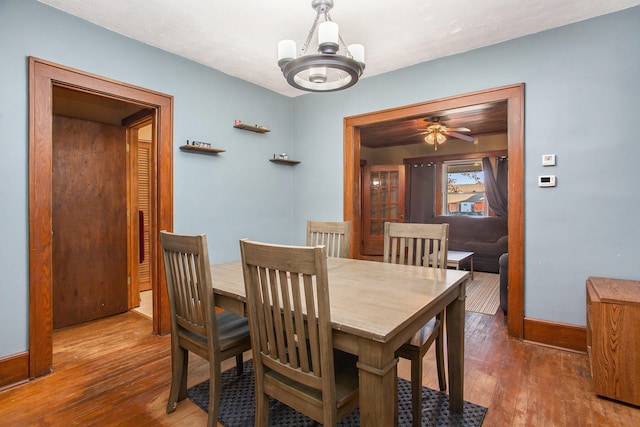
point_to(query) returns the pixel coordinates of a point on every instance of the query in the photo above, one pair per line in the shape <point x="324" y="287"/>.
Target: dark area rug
<point x="237" y="405"/>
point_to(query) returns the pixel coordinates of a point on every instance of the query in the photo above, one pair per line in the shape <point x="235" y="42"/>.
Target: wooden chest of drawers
<point x="613" y="337"/>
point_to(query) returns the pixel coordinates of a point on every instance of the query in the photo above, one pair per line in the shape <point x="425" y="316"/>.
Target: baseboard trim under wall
<point x="554" y="334"/>
<point x="14" y="369"/>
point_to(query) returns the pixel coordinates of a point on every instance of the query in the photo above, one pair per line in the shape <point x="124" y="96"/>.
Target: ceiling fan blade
<point x="413" y="135"/>
<point x="460" y="136"/>
<point x="459" y="129"/>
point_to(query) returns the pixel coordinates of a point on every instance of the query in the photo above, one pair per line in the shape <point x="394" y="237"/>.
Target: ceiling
<point x="481" y="120"/>
<point x="240" y="38"/>
<point x="87" y="106"/>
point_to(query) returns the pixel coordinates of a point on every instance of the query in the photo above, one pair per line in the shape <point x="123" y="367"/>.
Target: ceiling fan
<point x="437" y="132"/>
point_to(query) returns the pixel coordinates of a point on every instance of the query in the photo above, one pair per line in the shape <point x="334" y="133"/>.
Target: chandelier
<point x="325" y="71"/>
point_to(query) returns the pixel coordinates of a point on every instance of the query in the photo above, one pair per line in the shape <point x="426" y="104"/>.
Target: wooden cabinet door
<point x="383" y="195"/>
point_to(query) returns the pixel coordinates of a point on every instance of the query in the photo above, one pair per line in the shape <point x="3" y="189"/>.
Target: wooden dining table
<point x="375" y="308"/>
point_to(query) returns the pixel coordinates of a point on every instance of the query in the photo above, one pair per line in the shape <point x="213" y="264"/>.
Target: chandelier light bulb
<point x="328" y="37"/>
<point x="357" y="52"/>
<point x="318" y="75"/>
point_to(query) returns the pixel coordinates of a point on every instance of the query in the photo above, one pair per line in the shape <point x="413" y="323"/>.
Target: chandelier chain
<point x="342" y="43"/>
<point x="313" y="30"/>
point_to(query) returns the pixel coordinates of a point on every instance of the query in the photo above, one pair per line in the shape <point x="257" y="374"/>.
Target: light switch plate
<point x="548" y="160"/>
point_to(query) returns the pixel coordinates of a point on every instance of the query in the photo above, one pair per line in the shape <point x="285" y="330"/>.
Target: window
<point x="464" y="182"/>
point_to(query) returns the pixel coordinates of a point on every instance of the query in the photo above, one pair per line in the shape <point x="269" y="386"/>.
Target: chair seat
<point x="346" y="373"/>
<point x="346" y="386"/>
<point x="232" y="331"/>
<point x="424" y="336"/>
<point x="231" y="328"/>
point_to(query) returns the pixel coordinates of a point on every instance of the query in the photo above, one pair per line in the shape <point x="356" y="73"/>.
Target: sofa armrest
<point x="504" y="282"/>
<point x="503" y="244"/>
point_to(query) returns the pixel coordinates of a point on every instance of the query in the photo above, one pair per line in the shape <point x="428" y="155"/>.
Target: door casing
<point x="514" y="95"/>
<point x="43" y="75"/>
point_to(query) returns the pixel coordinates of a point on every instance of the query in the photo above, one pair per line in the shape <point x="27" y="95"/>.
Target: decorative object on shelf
<point x="200" y="147"/>
<point x="257" y="128"/>
<point x="326" y="71"/>
<point x="199" y="144"/>
<point x="283" y="159"/>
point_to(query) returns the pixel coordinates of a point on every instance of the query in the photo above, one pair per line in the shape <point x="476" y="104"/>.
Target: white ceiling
<point x="240" y="37"/>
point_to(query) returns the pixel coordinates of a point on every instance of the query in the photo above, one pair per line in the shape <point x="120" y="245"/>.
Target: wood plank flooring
<point x="113" y="372"/>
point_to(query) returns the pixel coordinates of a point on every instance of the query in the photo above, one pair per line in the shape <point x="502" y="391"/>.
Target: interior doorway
<point x="101" y="192"/>
<point x="43" y="78"/>
<point x="513" y="96"/>
<point x="142" y="140"/>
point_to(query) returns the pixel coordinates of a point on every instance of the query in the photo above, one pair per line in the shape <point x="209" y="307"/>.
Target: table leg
<point x="455" y="350"/>
<point x="378" y="386"/>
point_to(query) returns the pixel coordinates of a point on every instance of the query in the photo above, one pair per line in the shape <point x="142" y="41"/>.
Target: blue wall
<point x="582" y="96"/>
<point x="582" y="99"/>
<point x="234" y="195"/>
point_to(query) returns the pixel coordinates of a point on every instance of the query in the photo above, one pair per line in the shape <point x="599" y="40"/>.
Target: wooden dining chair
<point x="195" y="326"/>
<point x="290" y="322"/>
<point x="422" y="245"/>
<point x="336" y="236"/>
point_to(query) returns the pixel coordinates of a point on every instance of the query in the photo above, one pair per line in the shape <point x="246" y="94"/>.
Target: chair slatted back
<point x="336" y="236"/>
<point x="416" y="244"/>
<point x="189" y="285"/>
<point x="289" y="318"/>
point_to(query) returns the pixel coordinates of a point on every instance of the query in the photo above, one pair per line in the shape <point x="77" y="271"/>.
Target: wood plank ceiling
<point x="482" y="119"/>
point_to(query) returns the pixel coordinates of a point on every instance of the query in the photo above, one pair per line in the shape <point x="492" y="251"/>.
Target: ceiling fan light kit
<point x="433" y="137"/>
<point x="327" y="70"/>
<point x="437" y="133"/>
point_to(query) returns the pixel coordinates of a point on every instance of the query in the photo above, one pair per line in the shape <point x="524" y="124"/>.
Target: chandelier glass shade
<point x="327" y="70"/>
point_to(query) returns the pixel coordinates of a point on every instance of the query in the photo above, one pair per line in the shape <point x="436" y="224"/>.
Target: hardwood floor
<point x="114" y="372"/>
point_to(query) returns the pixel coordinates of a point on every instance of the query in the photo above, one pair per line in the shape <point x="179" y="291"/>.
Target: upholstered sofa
<point x="485" y="236"/>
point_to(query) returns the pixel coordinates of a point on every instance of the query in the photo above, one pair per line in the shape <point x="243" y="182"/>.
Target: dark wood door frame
<point x="514" y="95"/>
<point x="43" y="75"/>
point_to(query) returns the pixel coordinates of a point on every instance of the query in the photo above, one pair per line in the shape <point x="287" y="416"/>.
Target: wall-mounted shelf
<point x="258" y="129"/>
<point x="285" y="161"/>
<point x="203" y="150"/>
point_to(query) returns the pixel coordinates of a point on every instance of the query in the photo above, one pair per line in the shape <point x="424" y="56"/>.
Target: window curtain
<point x="496" y="186"/>
<point x="421" y="192"/>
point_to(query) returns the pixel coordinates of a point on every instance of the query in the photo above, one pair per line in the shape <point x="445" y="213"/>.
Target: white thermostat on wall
<point x="548" y="160"/>
<point x="547" y="181"/>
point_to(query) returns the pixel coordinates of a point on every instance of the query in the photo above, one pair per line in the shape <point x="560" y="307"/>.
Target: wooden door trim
<point x="514" y="95"/>
<point x="43" y="75"/>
